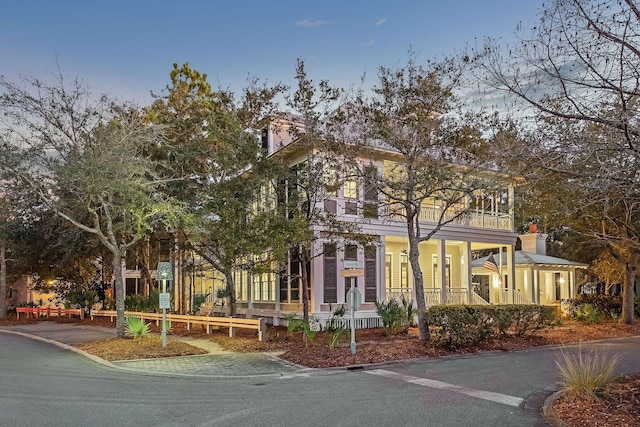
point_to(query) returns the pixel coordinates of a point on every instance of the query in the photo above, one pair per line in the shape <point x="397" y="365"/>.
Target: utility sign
<point x="165" y="300"/>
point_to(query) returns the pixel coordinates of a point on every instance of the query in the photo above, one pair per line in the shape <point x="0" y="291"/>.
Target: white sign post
<point x="163" y="272"/>
<point x="353" y="269"/>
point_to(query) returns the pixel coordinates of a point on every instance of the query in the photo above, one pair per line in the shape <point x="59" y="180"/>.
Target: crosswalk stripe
<point x="503" y="399"/>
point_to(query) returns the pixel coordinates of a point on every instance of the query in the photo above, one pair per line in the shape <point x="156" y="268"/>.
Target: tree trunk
<point x="628" y="293"/>
<point x="302" y="258"/>
<point x="231" y="292"/>
<point x="118" y="289"/>
<point x="3" y="282"/>
<point x="418" y="286"/>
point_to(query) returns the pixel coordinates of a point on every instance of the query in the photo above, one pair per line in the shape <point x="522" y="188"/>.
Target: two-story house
<point x="446" y="259"/>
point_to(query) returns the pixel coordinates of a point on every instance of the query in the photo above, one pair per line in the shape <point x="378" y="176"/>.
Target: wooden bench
<point x="48" y="311"/>
<point x="209" y="322"/>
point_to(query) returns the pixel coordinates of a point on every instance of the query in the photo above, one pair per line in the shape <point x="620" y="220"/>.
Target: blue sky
<point x="127" y="47"/>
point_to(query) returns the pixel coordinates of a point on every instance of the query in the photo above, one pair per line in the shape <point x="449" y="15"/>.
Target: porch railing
<point x="399" y="293"/>
<point x="455" y="296"/>
<point x="518" y="297"/>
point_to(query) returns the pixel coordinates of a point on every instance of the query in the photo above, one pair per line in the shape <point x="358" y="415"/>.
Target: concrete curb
<point x="548" y="412"/>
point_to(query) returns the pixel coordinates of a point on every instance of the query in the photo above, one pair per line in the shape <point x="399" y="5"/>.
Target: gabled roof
<point x="528" y="258"/>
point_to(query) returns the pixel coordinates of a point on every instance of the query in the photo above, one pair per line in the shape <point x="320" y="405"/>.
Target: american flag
<point x="490" y="264"/>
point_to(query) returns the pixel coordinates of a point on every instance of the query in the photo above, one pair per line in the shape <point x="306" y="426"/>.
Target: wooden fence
<point x="209" y="322"/>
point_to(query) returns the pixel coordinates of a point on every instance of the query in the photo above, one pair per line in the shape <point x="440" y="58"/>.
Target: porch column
<point x="532" y="285"/>
<point x="536" y="280"/>
<point x="572" y="283"/>
<point x="442" y="273"/>
<point x="465" y="270"/>
<point x="511" y="272"/>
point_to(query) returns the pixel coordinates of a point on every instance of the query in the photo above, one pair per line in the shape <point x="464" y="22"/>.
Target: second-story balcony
<point x="428" y="214"/>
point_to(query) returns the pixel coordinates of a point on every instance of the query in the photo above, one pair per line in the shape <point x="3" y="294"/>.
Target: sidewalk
<point x="217" y="363"/>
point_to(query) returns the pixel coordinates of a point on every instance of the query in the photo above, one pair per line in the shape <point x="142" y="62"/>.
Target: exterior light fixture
<point x="163" y="271"/>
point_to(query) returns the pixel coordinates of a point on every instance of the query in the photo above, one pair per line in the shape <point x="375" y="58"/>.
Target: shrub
<point x="410" y="311"/>
<point x="602" y="303"/>
<point x="586" y="374"/>
<point x="293" y="323"/>
<point x="459" y="326"/>
<point x="334" y="337"/>
<point x="588" y="314"/>
<point x="309" y="332"/>
<point x="198" y="300"/>
<point x="150" y="304"/>
<point x="527" y="319"/>
<point x="462" y="326"/>
<point x="336" y="321"/>
<point x="391" y="315"/>
<point x="137" y="328"/>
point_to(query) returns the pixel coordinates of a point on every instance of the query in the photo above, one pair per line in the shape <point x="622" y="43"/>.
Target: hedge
<point x="458" y="326"/>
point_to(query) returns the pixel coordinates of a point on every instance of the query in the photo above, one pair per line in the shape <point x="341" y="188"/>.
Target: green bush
<point x="462" y="326"/>
<point x="391" y="315"/>
<point x="335" y="336"/>
<point x="293" y="323"/>
<point x="522" y="319"/>
<point x="336" y="321"/>
<point x="602" y="303"/>
<point x="588" y="314"/>
<point x="150" y="304"/>
<point x="410" y="311"/>
<point x="459" y="326"/>
<point x="198" y="300"/>
<point x="137" y="328"/>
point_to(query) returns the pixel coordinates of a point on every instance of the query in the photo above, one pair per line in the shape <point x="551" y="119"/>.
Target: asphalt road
<point x="41" y="384"/>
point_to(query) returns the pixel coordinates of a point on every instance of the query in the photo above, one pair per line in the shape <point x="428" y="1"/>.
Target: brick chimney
<point x="534" y="242"/>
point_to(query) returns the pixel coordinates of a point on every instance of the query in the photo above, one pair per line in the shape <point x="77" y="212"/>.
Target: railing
<point x="48" y="311"/>
<point x="399" y="293"/>
<point x="518" y="297"/>
<point x="208" y="321"/>
<point x="474" y="218"/>
<point x="455" y="296"/>
<point x="477" y="299"/>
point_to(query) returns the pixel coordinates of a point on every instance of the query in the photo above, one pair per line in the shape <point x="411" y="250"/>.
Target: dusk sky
<point x="127" y="48"/>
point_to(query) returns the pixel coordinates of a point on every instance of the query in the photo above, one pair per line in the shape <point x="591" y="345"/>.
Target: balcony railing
<point x="474" y="218"/>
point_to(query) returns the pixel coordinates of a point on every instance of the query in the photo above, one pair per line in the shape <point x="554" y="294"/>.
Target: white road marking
<point x="503" y="399"/>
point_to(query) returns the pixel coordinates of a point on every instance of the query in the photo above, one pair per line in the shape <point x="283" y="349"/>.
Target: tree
<point x="577" y="71"/>
<point x="212" y="146"/>
<point x="429" y="152"/>
<point x="86" y="159"/>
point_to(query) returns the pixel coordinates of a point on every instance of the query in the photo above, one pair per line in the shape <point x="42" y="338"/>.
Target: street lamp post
<point x="163" y="273"/>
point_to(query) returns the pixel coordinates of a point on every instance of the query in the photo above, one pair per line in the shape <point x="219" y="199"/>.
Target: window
<point x="330" y="283"/>
<point x="330" y="178"/>
<point x="404" y="271"/>
<point x="370" y="273"/>
<point x="350" y="186"/>
<point x="388" y="273"/>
